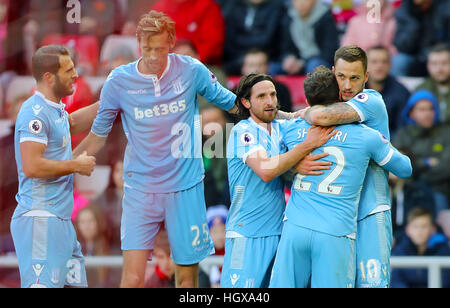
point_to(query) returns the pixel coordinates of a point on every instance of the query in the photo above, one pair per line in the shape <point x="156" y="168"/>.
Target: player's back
<point x="46" y="122"/>
<point x="328" y="203"/>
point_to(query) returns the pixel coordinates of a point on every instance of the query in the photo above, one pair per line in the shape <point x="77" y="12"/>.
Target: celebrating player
<point x="256" y="158"/>
<point x="48" y="252"/>
<point x="317" y="242"/>
<point x="374" y="236"/>
<point x="163" y="169"/>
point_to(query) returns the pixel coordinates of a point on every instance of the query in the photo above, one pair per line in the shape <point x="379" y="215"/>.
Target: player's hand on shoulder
<point x="312" y="165"/>
<point x="85" y="164"/>
<point x="319" y="135"/>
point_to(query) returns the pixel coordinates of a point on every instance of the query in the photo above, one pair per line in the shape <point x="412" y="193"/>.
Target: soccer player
<point x="163" y="169"/>
<point x="374" y="236"/>
<point x="318" y="235"/>
<point x="256" y="158"/>
<point x="48" y="252"/>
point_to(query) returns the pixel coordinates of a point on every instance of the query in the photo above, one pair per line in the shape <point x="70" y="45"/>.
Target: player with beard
<point x="374" y="235"/>
<point x="48" y="252"/>
<point x="256" y="157"/>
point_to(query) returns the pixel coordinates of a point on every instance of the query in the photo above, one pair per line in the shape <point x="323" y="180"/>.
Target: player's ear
<point x="332" y="68"/>
<point x="246" y="103"/>
<point x="48" y="77"/>
<point x="366" y="77"/>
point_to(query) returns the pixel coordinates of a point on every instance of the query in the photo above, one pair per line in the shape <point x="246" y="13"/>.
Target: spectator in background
<point x="98" y="17"/>
<point x="94" y="237"/>
<point x="3" y="26"/>
<point x="438" y="66"/>
<point x="214" y="122"/>
<point x="186" y="47"/>
<point x="257" y="61"/>
<point x="44" y="18"/>
<point x="252" y="24"/>
<point x="420" y="25"/>
<point x="311" y="37"/>
<point x="117" y="57"/>
<point x="367" y="30"/>
<point x="164" y="271"/>
<point x="135" y="9"/>
<point x="199" y="21"/>
<point x="421" y="239"/>
<point x="427" y="142"/>
<point x="111" y="201"/>
<point x="9" y="182"/>
<point x="217" y="217"/>
<point x="395" y="95"/>
<point x="81" y="97"/>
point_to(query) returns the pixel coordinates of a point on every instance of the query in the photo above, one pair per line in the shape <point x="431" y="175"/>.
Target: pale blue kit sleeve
<point x="211" y="89"/>
<point x="388" y="157"/>
<point x="108" y="109"/>
<point x="33" y="127"/>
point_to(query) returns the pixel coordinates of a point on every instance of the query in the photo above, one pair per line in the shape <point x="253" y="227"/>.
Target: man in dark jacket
<point x="427" y="142"/>
<point x="395" y="95"/>
<point x="310" y="38"/>
<point x="420" y="25"/>
<point x="420" y="239"/>
<point x="251" y="24"/>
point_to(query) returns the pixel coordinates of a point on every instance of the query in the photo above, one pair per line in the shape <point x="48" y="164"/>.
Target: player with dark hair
<point x="256" y="158"/>
<point x="48" y="252"/>
<point x="374" y="236"/>
<point x="319" y="231"/>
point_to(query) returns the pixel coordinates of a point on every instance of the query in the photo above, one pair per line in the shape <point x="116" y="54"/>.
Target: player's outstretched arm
<point x="91" y="145"/>
<point x="36" y="166"/>
<point x="268" y="168"/>
<point x="397" y="163"/>
<point x="333" y="114"/>
<point x="81" y="120"/>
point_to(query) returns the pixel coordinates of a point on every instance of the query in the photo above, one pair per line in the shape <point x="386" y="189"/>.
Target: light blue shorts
<point x="306" y="255"/>
<point x="248" y="261"/>
<point x="48" y="252"/>
<point x="184" y="215"/>
<point x="373" y="251"/>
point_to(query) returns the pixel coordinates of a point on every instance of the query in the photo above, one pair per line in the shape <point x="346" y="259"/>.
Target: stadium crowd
<point x="408" y="48"/>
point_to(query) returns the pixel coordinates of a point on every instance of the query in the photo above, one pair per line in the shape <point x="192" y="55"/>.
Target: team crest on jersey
<point x="247" y="138"/>
<point x="178" y="86"/>
<point x="212" y="77"/>
<point x="362" y="97"/>
<point x="35" y="126"/>
<point x="384" y="139"/>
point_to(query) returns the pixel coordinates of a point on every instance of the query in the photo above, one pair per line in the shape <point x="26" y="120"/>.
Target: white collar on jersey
<point x="250" y="119"/>
<point x="152" y="76"/>
<point x="59" y="105"/>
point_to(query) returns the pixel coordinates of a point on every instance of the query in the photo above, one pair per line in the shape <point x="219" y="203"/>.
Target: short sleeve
<point x="379" y="147"/>
<point x="108" y="109"/>
<point x="243" y="141"/>
<point x="211" y="89"/>
<point x="369" y="105"/>
<point x="33" y="126"/>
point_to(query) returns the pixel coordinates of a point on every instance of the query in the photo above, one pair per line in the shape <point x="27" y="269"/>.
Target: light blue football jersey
<point x="44" y="121"/>
<point x="375" y="194"/>
<point x="328" y="203"/>
<point x="161" y="121"/>
<point x="257" y="207"/>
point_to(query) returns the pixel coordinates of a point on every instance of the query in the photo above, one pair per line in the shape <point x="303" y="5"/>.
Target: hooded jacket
<point x="421" y="144"/>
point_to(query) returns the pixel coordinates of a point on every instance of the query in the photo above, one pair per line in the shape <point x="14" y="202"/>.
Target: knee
<point x="130" y="280"/>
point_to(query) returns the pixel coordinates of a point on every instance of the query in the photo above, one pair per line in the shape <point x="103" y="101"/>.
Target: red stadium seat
<point x="294" y="84"/>
<point x="86" y="46"/>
